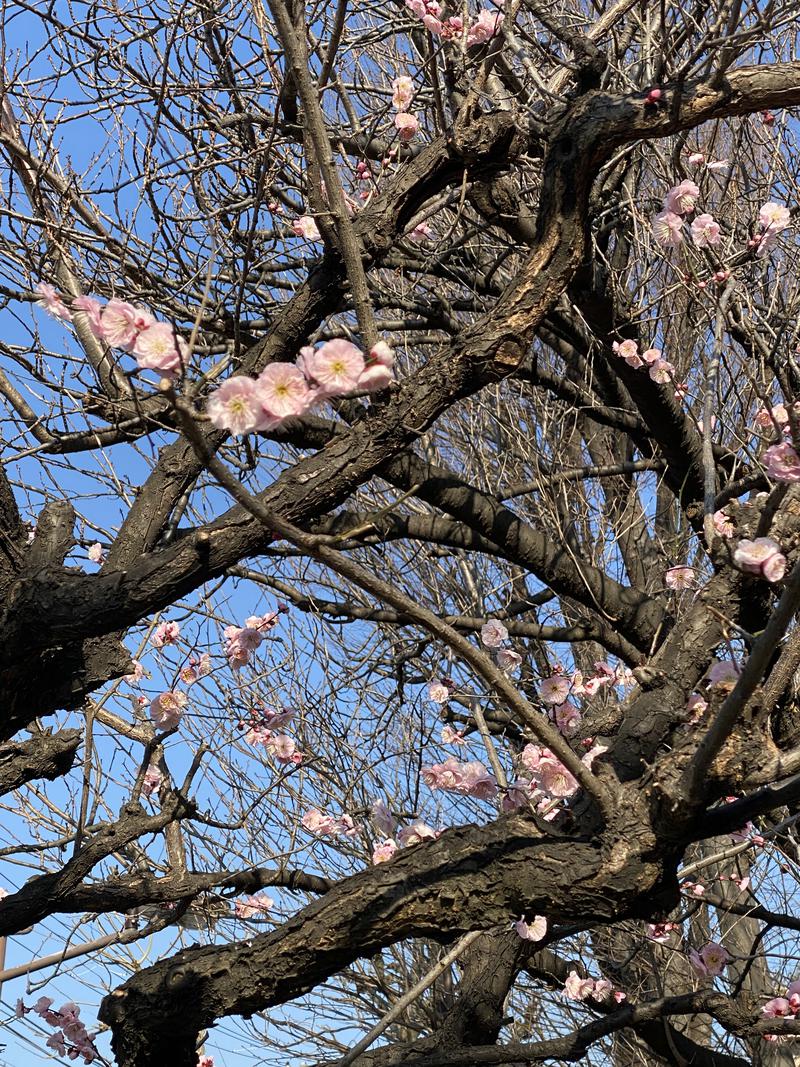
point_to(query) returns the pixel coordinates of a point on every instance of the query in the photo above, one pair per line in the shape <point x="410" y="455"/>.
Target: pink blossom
<point x="777" y="1008"/>
<point x="284" y="749"/>
<point x="122" y="323"/>
<point x="452" y="27"/>
<point x="629" y="351"/>
<point x="507" y="659"/>
<point x="517" y="797"/>
<point x="774" y="217"/>
<point x="52" y="302"/>
<point x="555" y="779"/>
<point x="317" y="822"/>
<point x="166" y="633"/>
<point x="485" y="26"/>
<point x="278" y="719"/>
<point x="92" y="309"/>
<point x="236" y="405"/>
<point x="402" y="92"/>
<point x="723" y="524"/>
<point x="555" y="689"/>
<point x="651" y="356"/>
<point x="679" y="578"/>
<point x="415" y="833"/>
<point x="283" y="391"/>
<point x="262" y="623"/>
<point x="603" y="988"/>
<point x="151" y="783"/>
<point x="56" y="1042"/>
<point x="531" y="757"/>
<point x="782" y="463"/>
<point x="766" y="418"/>
<point x="240" y="643"/>
<point x="493" y="634"/>
<point x="373" y="378"/>
<point x="706" y="231"/>
<point x="424" y="8"/>
<point x="306" y="227"/>
<point x="680" y="199"/>
<point x="710" y="961"/>
<point x="421" y="232"/>
<point x="696" y="158"/>
<point x="468" y="779"/>
<point x="159" y="348"/>
<point x="406" y="125"/>
<point x="761" y="556"/>
<point x="384" y="851"/>
<point x="668" y="229"/>
<point x="252" y="906"/>
<point x="438" y="692"/>
<point x="138" y="673"/>
<point x="577" y="988"/>
<point x="452" y="737"/>
<point x="534" y="930"/>
<point x="661" y="371"/>
<point x="382" y="353"/>
<point x="697" y="889"/>
<point x="166" y="710"/>
<point x="567" y="718"/>
<point x="477" y="782"/>
<point x="95" y="553"/>
<point x="382" y="818"/>
<point x="723" y="674"/>
<point x="336" y="366"/>
<point x="696" y="706"/>
<point x="42" y="1006"/>
<point x="258" y="734"/>
<point x="660" y="932"/>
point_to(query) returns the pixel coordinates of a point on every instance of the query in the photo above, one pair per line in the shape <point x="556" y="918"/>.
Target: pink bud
<point x="653" y="96"/>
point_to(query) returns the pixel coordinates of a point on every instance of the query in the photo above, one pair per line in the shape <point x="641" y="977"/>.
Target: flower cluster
<point x="660" y="370"/>
<point x="468" y="779"/>
<point x="261" y="728"/>
<point x="493" y="636"/>
<point x="402" y="95"/>
<point x="322" y="825"/>
<point x="660" y="932"/>
<point x="283" y="390"/>
<point x="71" y="1037"/>
<point x="548" y="775"/>
<point x="166" y="633"/>
<point x="413" y="834"/>
<point x="252" y="907"/>
<point x="242" y="641"/>
<point x="784" y="1007"/>
<point x="486" y="25"/>
<point x="577" y="988"/>
<point x="155" y="345"/>
<point x="762" y="557"/>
